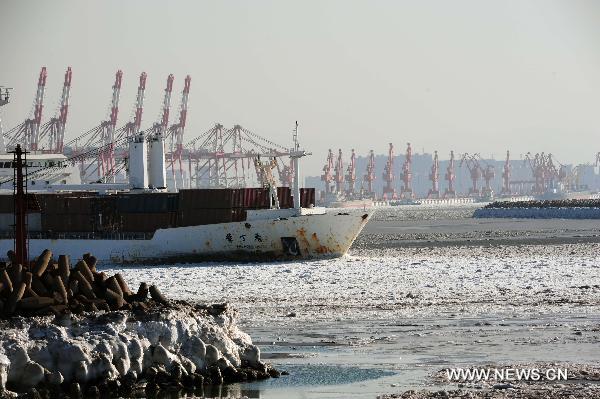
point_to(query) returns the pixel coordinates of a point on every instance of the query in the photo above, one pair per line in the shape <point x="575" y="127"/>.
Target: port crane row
<point x="224" y="157"/>
<point x="220" y="157"/>
<point x="546" y="172"/>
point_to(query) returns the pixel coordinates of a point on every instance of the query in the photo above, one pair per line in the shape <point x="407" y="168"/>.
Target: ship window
<point x="7" y="164"/>
<point x="51" y="163"/>
<point x="33" y="182"/>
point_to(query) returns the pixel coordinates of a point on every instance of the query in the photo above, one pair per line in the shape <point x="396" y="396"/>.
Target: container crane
<point x="388" y="175"/>
<point x="339" y="173"/>
<point x="370" y="176"/>
<point x="327" y="175"/>
<point x="102" y="136"/>
<point x="450" y="176"/>
<point x="176" y="132"/>
<point x="488" y="175"/>
<point x="27" y="133"/>
<point x="351" y="176"/>
<point x="474" y="171"/>
<point x="506" y="190"/>
<point x="133" y="128"/>
<point x="54" y="130"/>
<point x="406" y="176"/>
<point x="434" y="176"/>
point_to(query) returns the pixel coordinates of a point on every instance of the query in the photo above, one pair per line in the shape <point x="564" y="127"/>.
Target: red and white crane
<point x="327" y="175"/>
<point x="488" y="175"/>
<point x="406" y="176"/>
<point x="370" y="176"/>
<point x="133" y="128"/>
<point x="474" y="171"/>
<point x="339" y="173"/>
<point x="54" y="130"/>
<point x="450" y="176"/>
<point x="351" y="176"/>
<point x="506" y="190"/>
<point x="434" y="176"/>
<point x="27" y="133"/>
<point x="176" y="132"/>
<point x="388" y="175"/>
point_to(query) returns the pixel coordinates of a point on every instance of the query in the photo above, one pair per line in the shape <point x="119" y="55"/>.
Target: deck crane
<point x="27" y="133"/>
<point x="388" y="175"/>
<point x="339" y="173"/>
<point x="370" y="176"/>
<point x="327" y="175"/>
<point x="506" y="190"/>
<point x="434" y="176"/>
<point x="450" y="176"/>
<point x="351" y="176"/>
<point x="54" y="130"/>
<point x="474" y="171"/>
<point x="176" y="132"/>
<point x="406" y="175"/>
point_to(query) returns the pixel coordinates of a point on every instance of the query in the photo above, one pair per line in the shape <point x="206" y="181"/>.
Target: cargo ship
<point x="142" y="223"/>
<point x="192" y="225"/>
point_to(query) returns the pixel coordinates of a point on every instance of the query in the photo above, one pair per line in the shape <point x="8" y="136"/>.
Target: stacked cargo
<point x="88" y="212"/>
<point x="211" y="206"/>
<point x="147" y="212"/>
<point x="66" y="213"/>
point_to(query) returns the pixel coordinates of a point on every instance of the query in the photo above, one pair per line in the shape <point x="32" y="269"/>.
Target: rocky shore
<point x="96" y="338"/>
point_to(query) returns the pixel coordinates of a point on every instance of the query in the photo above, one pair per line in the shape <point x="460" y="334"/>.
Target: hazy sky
<point x="469" y="75"/>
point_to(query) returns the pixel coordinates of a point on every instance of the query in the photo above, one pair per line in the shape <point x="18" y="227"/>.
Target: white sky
<point x="469" y="75"/>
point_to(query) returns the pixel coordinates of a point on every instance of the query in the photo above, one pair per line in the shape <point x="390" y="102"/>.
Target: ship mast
<point x="296" y="154"/>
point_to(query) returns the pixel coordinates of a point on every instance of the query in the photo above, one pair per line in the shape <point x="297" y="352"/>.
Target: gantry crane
<point x="54" y="130"/>
<point x="434" y="176"/>
<point x="176" y="133"/>
<point x="370" y="176"/>
<point x="474" y="172"/>
<point x="388" y="175"/>
<point x="351" y="176"/>
<point x="27" y="133"/>
<point x="406" y="176"/>
<point x="506" y="190"/>
<point x="339" y="173"/>
<point x="327" y="175"/>
<point x="450" y="176"/>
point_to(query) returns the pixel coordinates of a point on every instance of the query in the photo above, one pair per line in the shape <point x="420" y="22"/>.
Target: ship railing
<point x="49" y="235"/>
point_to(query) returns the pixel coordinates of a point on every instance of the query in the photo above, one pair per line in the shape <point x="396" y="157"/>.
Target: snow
<point x="405" y="282"/>
<point x="112" y="345"/>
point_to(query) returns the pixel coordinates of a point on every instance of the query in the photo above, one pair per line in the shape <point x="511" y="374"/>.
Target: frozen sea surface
<point x="392" y="313"/>
<point x="414" y="281"/>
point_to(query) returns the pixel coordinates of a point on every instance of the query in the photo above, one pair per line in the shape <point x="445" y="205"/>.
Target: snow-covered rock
<point x="108" y="346"/>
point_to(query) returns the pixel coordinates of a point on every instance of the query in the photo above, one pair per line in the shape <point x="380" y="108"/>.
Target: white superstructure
<point x="59" y="171"/>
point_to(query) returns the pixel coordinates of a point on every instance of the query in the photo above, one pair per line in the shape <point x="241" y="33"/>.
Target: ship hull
<point x="300" y="237"/>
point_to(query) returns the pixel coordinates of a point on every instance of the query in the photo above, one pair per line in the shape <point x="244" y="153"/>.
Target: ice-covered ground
<point x="407" y="281"/>
<point x="467" y="296"/>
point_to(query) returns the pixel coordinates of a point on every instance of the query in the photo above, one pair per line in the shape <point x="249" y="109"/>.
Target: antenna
<point x="296" y="144"/>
